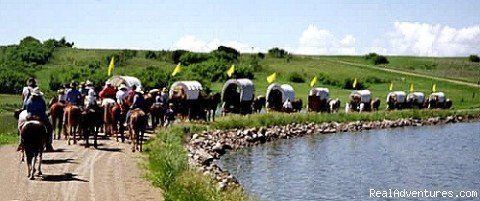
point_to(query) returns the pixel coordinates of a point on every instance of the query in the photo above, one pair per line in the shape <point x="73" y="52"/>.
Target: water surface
<point x="346" y="166"/>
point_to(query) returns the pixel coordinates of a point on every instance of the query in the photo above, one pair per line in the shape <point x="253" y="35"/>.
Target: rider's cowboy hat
<point x="73" y="84"/>
<point x="154" y="91"/>
<point x="88" y="83"/>
<point x="122" y="86"/>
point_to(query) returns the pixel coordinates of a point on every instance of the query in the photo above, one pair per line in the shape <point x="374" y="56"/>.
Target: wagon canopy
<point x="191" y="89"/>
<point x="401" y="95"/>
<point x="322" y="93"/>
<point x="418" y="96"/>
<point x="128" y="81"/>
<point x="242" y="87"/>
<point x="365" y="95"/>
<point x="439" y="95"/>
<point x="288" y="92"/>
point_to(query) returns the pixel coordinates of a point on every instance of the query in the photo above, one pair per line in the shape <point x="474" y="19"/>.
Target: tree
<point x="226" y="54"/>
<point x="150" y="55"/>
<point x="175" y="57"/>
<point x="474" y="58"/>
<point x="31" y="50"/>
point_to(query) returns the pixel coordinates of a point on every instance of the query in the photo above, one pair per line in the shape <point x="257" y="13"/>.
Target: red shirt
<point x="108" y="92"/>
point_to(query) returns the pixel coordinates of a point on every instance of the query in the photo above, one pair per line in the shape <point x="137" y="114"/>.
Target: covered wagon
<point x="237" y="96"/>
<point x="396" y="100"/>
<point x="318" y="99"/>
<point x="188" y="90"/>
<point x="360" y="100"/>
<point x="438" y="100"/>
<point x="184" y="95"/>
<point x="277" y="95"/>
<point x="128" y="81"/>
<point x="415" y="100"/>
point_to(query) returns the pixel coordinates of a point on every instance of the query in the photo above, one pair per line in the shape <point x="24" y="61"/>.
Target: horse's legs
<point x="86" y="135"/>
<point x="141" y="140"/>
<point x="40" y="158"/>
<point x="68" y="131"/>
<point x="132" y="138"/>
<point x="95" y="136"/>
<point x="29" y="163"/>
<point x="74" y="134"/>
<point x="34" y="160"/>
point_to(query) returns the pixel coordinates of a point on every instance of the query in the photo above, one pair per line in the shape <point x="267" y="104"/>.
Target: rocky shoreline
<point x="206" y="148"/>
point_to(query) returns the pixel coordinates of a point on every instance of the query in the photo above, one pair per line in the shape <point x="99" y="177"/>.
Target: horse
<point x="334" y="105"/>
<point x="136" y="126"/>
<point x="108" y="118"/>
<point x="119" y="112"/>
<point x="157" y="111"/>
<point x="210" y="104"/>
<point x="56" y="114"/>
<point x="72" y="118"/>
<point x="91" y="117"/>
<point x="34" y="138"/>
<point x="375" y="104"/>
<point x="258" y="103"/>
<point x="297" y="105"/>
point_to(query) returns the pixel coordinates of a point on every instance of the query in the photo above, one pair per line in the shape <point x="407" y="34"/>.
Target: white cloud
<point x="320" y="41"/>
<point x="413" y="38"/>
<point x="192" y="43"/>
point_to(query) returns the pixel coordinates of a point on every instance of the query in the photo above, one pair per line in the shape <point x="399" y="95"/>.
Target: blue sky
<point x="431" y="28"/>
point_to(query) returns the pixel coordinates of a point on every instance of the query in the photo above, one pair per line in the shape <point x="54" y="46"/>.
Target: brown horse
<point x="34" y="138"/>
<point x="56" y="113"/>
<point x="90" y="120"/>
<point x="297" y="105"/>
<point x="157" y="111"/>
<point x="72" y="118"/>
<point x="258" y="103"/>
<point x="210" y="105"/>
<point x="108" y="117"/>
<point x="119" y="112"/>
<point x="136" y="126"/>
<point x="375" y="103"/>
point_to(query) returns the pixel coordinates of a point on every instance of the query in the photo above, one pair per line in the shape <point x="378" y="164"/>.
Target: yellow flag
<point x="177" y="69"/>
<point x="391" y="86"/>
<point x="354" y="83"/>
<point x="314" y="80"/>
<point x="111" y="66"/>
<point x="271" y="77"/>
<point x="434" y="87"/>
<point x="411" y="87"/>
<point x="231" y="70"/>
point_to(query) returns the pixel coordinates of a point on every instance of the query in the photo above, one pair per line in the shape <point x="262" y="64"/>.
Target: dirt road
<point x="111" y="172"/>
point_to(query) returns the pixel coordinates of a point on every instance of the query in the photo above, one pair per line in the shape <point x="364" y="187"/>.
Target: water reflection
<point x="345" y="166"/>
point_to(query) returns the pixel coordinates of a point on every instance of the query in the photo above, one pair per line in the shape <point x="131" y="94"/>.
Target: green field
<point x="337" y="68"/>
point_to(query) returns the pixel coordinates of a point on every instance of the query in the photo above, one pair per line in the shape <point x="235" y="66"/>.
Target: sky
<point x="316" y="27"/>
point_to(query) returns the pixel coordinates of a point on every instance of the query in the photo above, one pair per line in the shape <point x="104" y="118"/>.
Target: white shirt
<point x="121" y="96"/>
<point x="287" y="104"/>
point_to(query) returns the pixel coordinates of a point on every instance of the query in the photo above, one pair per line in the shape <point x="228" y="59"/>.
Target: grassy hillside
<point x="334" y="68"/>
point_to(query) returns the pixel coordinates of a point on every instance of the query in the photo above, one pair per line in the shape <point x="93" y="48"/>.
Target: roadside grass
<point x="8" y="131"/>
<point x="168" y="161"/>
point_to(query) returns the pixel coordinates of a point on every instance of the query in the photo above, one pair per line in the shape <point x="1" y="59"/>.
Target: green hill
<point x="332" y="71"/>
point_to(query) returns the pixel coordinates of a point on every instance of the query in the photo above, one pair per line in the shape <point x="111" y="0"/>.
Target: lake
<point x="347" y="166"/>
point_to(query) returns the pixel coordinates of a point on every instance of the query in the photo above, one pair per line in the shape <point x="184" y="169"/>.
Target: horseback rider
<point x="35" y="106"/>
<point x="74" y="97"/>
<point x="121" y="94"/>
<point x="163" y="97"/>
<point x="138" y="102"/>
<point x="27" y="90"/>
<point x="108" y="91"/>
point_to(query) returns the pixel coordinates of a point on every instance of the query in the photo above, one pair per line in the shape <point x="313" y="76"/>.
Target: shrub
<point x="150" y="55"/>
<point x="175" y="56"/>
<point x="296" y="77"/>
<point x="226" y="54"/>
<point x="193" y="58"/>
<point x="261" y="55"/>
<point x="380" y="60"/>
<point x="376" y="58"/>
<point x="474" y="58"/>
<point x="348" y="84"/>
<point x="277" y="52"/>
